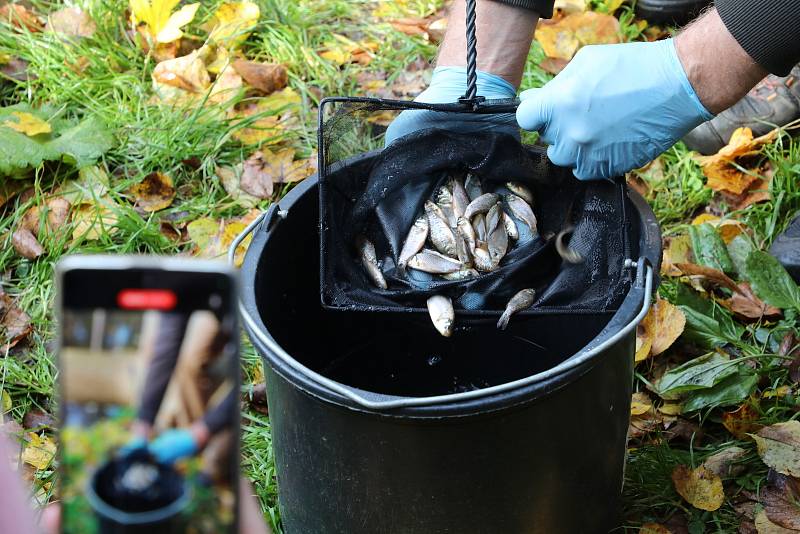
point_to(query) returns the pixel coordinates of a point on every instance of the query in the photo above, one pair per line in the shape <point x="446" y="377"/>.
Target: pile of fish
<point x="467" y="232"/>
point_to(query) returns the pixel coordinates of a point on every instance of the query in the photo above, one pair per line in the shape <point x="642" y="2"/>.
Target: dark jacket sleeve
<point x="171" y="329"/>
<point x="543" y="7"/>
<point x="766" y="29"/>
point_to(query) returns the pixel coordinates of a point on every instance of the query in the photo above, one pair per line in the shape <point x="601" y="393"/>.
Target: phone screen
<point x="149" y="401"/>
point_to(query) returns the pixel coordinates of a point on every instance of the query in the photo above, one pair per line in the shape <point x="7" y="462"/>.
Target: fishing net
<point x="378" y="193"/>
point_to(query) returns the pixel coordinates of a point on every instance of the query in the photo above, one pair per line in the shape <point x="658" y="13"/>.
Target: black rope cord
<point x="472" y="53"/>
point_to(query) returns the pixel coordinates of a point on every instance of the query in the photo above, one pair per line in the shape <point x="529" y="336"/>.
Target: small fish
<point x="521" y="190"/>
<point x="493" y="218"/>
<point x="414" y="242"/>
<point x="482" y="204"/>
<point x="467" y="232"/>
<point x="444" y="199"/>
<point x="522" y="211"/>
<point x="442" y="314"/>
<point x="463" y="274"/>
<point x="479" y="224"/>
<point x="439" y="230"/>
<point x="483" y="260"/>
<point x="462" y="251"/>
<point x="521" y="301"/>
<point x="460" y="199"/>
<point x="568" y="254"/>
<point x="473" y="186"/>
<point x="498" y="244"/>
<point x="369" y="260"/>
<point x="430" y="261"/>
<point x="511" y="226"/>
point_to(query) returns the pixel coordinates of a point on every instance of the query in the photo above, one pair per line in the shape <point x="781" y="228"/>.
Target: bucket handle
<point x="411" y="402"/>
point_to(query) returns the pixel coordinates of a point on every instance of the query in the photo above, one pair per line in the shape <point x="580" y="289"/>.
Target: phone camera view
<point x="150" y="428"/>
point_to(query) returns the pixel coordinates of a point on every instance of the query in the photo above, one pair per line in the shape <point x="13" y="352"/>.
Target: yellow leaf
<point x="93" y="220"/>
<point x="779" y="447"/>
<point x="7" y="404"/>
<point x="677" y="249"/>
<point x="669" y="324"/>
<point x="232" y="23"/>
<point x="670" y="408"/>
<point x="700" y="487"/>
<point x="644" y="337"/>
<point x="720" y="169"/>
<point x="39" y="452"/>
<point x="336" y="55"/>
<point x="202" y="231"/>
<point x="213" y="238"/>
<point x="654" y="528"/>
<point x="782" y="391"/>
<point x="161" y="25"/>
<point x="28" y="124"/>
<point x="640" y="403"/>
<point x="182" y="80"/>
<point x="741" y="421"/>
<point x="155" y="192"/>
<point x="562" y="38"/>
<point x="172" y="29"/>
<point x="704" y="218"/>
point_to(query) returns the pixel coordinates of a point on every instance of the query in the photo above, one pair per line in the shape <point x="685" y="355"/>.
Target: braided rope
<point x="472" y="52"/>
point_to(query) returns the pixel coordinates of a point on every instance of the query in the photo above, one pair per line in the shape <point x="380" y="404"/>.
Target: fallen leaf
<point x="781" y="502"/>
<point x="645" y="333"/>
<point x="720" y="168"/>
<point x="7" y="403"/>
<point x="267" y="120"/>
<point x="758" y="191"/>
<point x="213" y="238"/>
<point x="72" y="22"/>
<point x="700" y="487"/>
<point x="647" y="423"/>
<point x="39" y="451"/>
<point x="25" y="244"/>
<point x="670" y="408"/>
<point x="554" y="66"/>
<point x="562" y="38"/>
<point x="640" y="403"/>
<point x="570" y="6"/>
<point x="343" y="50"/>
<point x="765" y="526"/>
<point x="779" y="447"/>
<point x="16" y="69"/>
<point x="265" y="77"/>
<point x="264" y="169"/>
<point x="181" y="79"/>
<point x="715" y="276"/>
<point x="746" y="304"/>
<point x="677" y="249"/>
<point x="669" y="324"/>
<point x="28" y="124"/>
<point x="741" y="421"/>
<point x="777" y="393"/>
<point x="37" y="419"/>
<point x="15" y="324"/>
<point x="233" y="22"/>
<point x="437" y="29"/>
<point x="19" y="16"/>
<point x="724" y="462"/>
<point x="162" y="26"/>
<point x="93" y="220"/>
<point x="155" y="192"/>
<point x="258" y="398"/>
<point x="202" y="231"/>
<point x="226" y="87"/>
<point x="230" y="177"/>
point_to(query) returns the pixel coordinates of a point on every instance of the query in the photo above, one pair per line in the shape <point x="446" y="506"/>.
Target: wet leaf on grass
<point x="765" y="526"/>
<point x="719" y="168"/>
<point x="27" y="124"/>
<point x="230" y="177"/>
<point x="71" y="22"/>
<point x="741" y="421"/>
<point x="430" y="28"/>
<point x="700" y="373"/>
<point x="676" y="249"/>
<point x="781" y="501"/>
<point x="26" y="244"/>
<point x="770" y="281"/>
<point x="343" y="50"/>
<point x="739" y="248"/>
<point x="640" y="403"/>
<point x="265" y="77"/>
<point x="662" y="325"/>
<point x="20" y="16"/>
<point x="266" y="120"/>
<point x="212" y="238"/>
<point x="155" y="19"/>
<point x="15" y="68"/>
<point x="562" y="38"/>
<point x="155" y="192"/>
<point x="726" y="462"/>
<point x="731" y="390"/>
<point x="709" y="248"/>
<point x="182" y="79"/>
<point x="37" y="419"/>
<point x="700" y="487"/>
<point x="39" y="451"/>
<point x="645" y="333"/>
<point x="265" y="169"/>
<point x="779" y="447"/>
<point x="233" y="22"/>
<point x="15" y="324"/>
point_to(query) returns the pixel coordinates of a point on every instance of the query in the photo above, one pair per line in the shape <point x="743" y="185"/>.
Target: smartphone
<point x="149" y="395"/>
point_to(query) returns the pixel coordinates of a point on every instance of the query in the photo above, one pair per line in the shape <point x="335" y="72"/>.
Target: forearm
<point x="504" y="35"/>
<point x="719" y="69"/>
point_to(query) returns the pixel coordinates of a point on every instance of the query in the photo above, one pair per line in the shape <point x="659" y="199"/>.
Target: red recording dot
<point x="146" y="299"/>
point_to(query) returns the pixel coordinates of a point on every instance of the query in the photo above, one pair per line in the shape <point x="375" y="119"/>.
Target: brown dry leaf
<point x="713" y="275"/>
<point x="227" y="86"/>
<point x="758" y="191"/>
<point x="37" y="419"/>
<point x="677" y="249"/>
<point x="19" y="16"/>
<point x="562" y="38"/>
<point x="265" y="77"/>
<point x="15" y="324"/>
<point x="779" y="447"/>
<point x="765" y="526"/>
<point x="742" y="420"/>
<point x="72" y="22"/>
<point x="25" y="244"/>
<point x="645" y="333"/>
<point x="669" y="324"/>
<point x="700" y="487"/>
<point x="781" y="502"/>
<point x="640" y="403"/>
<point x="264" y="169"/>
<point x="722" y="175"/>
<point x="746" y="304"/>
<point x="648" y="422"/>
<point x="231" y="177"/>
<point x="155" y="192"/>
<point x="182" y="79"/>
<point x="57" y="213"/>
<point x="723" y="462"/>
<point x="16" y="69"/>
<point x="411" y="26"/>
<point x="654" y="528"/>
<point x="39" y="451"/>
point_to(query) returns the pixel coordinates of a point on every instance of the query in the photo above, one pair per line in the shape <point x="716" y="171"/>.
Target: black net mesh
<point x="366" y="191"/>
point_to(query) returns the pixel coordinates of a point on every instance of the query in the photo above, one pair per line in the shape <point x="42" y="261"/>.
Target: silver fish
<point x="444" y="199"/>
<point x="521" y="190"/>
<point x="369" y="260"/>
<point x="430" y="261"/>
<point x="467" y="232"/>
<point x="462" y="251"/>
<point x="482" y="204"/>
<point x="414" y="241"/>
<point x="511" y="226"/>
<point x="479" y="224"/>
<point x="463" y="274"/>
<point x="483" y="260"/>
<point x="522" y="211"/>
<point x="442" y="314"/>
<point x="498" y="244"/>
<point x="439" y="230"/>
<point x="493" y="218"/>
<point x="567" y="253"/>
<point x="521" y="301"/>
<point x="460" y="199"/>
<point x="473" y="186"/>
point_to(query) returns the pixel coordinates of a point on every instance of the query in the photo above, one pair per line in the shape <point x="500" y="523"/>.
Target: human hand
<point x="173" y="444"/>
<point x="448" y="84"/>
<point x="613" y="108"/>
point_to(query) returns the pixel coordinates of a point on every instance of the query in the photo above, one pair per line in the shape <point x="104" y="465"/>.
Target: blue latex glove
<point x="134" y="444"/>
<point x="448" y="84"/>
<point x="613" y="108"/>
<point x="172" y="445"/>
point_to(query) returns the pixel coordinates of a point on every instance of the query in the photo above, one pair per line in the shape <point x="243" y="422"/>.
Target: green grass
<point x="115" y="85"/>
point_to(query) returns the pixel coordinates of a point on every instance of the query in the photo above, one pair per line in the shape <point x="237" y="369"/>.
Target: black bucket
<point x="379" y="425"/>
<point x="156" y="509"/>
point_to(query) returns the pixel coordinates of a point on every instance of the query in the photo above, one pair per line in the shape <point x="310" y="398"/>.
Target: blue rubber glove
<point x="134" y="444"/>
<point x="172" y="445"/>
<point x="613" y="108"/>
<point x="448" y="84"/>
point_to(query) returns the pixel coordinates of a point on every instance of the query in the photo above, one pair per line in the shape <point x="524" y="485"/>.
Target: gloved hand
<point x="134" y="444"/>
<point x="613" y="108"/>
<point x="448" y="84"/>
<point x="172" y="445"/>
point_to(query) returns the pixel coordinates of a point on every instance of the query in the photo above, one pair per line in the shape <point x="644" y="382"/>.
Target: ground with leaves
<point x="163" y="128"/>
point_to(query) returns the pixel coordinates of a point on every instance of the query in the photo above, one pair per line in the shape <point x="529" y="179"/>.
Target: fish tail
<point x="503" y="322"/>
